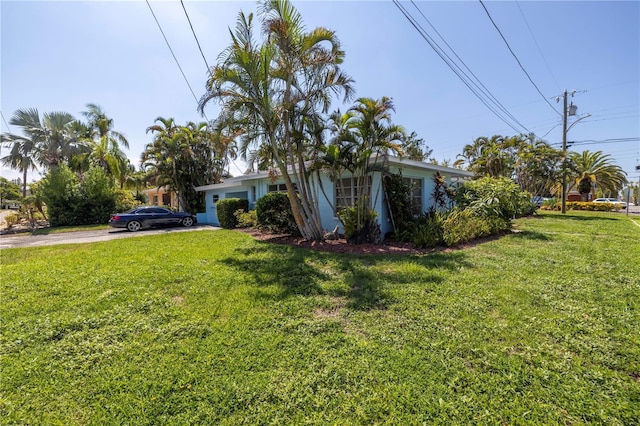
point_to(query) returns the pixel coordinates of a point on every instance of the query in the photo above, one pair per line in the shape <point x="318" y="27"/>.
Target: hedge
<point x="226" y="211"/>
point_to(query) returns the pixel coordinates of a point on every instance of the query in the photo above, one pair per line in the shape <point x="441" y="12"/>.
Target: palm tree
<point x="105" y="142"/>
<point x="274" y="90"/>
<point x="593" y="169"/>
<point x="22" y="156"/>
<point x="163" y="155"/>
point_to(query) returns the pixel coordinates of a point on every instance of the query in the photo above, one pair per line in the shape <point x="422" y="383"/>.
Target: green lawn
<point x="538" y="327"/>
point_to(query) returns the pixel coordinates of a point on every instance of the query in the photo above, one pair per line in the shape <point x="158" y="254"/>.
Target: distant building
<point x="161" y="197"/>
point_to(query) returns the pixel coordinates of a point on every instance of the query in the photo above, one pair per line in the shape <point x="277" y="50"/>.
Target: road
<point x="28" y="240"/>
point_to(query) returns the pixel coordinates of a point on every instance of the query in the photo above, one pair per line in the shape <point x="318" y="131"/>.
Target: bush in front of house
<point x="360" y="224"/>
<point x="499" y="197"/>
<point x="71" y="201"/>
<point x="462" y="226"/>
<point x="429" y="230"/>
<point x="246" y="219"/>
<point x="274" y="214"/>
<point x="227" y="208"/>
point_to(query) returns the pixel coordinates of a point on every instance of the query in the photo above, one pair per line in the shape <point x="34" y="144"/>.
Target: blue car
<point x="148" y="217"/>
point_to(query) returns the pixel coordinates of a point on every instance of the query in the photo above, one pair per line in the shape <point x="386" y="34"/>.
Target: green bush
<point x="12" y="219"/>
<point x="429" y="230"/>
<point x="360" y="224"/>
<point x="226" y="211"/>
<point x="274" y="214"/>
<point x="70" y="201"/>
<point x="462" y="226"/>
<point x="579" y="205"/>
<point x="591" y="206"/>
<point x="499" y="197"/>
<point x="246" y="219"/>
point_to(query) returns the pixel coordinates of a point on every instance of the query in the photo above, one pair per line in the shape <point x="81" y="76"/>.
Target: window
<point x="415" y="194"/>
<point x="348" y="191"/>
<point x="280" y="187"/>
<point x="240" y="194"/>
<point x="215" y="198"/>
<point x="155" y="200"/>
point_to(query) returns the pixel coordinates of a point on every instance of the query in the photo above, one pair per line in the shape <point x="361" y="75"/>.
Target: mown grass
<point x="537" y="327"/>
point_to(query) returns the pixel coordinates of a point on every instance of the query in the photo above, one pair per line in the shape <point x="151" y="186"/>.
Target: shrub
<point x="462" y="226"/>
<point x="246" y="219"/>
<point x="590" y="206"/>
<point x="226" y="209"/>
<point x="360" y="225"/>
<point x="429" y="230"/>
<point x="499" y="197"/>
<point x="12" y="219"/>
<point x="274" y="214"/>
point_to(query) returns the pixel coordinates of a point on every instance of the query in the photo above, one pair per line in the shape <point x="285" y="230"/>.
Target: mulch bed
<point x="337" y="246"/>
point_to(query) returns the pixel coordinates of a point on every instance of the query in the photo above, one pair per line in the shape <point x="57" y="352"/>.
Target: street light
<point x="570" y="110"/>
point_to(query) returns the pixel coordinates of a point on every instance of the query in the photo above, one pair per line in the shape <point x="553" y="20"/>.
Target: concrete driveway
<point x="28" y="240"/>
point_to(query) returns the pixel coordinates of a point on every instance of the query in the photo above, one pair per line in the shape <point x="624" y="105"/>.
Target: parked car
<point x="148" y="217"/>
<point x="617" y="203"/>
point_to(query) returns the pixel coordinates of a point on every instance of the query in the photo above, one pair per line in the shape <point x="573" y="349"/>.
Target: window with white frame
<point x="415" y="194"/>
<point x="280" y="187"/>
<point x="349" y="190"/>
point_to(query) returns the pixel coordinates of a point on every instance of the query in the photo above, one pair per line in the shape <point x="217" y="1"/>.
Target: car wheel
<point x="187" y="221"/>
<point x="134" y="226"/>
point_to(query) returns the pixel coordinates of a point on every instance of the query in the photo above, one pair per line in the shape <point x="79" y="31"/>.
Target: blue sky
<point x="61" y="55"/>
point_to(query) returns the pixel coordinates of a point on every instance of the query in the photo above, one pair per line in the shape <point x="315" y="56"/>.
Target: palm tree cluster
<point x="275" y="96"/>
<point x="184" y="157"/>
<point x="537" y="167"/>
<point x="276" y="92"/>
<point x="59" y="138"/>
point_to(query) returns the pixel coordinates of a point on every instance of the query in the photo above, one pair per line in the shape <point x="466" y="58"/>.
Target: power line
<point x="458" y="72"/>
<point x="5" y="122"/>
<point x="196" y="37"/>
<point x="516" y="58"/>
<point x="537" y="45"/>
<point x="482" y="87"/>
<point x="172" y="54"/>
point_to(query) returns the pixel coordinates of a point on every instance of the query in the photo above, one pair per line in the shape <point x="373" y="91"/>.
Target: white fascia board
<point x="396" y="161"/>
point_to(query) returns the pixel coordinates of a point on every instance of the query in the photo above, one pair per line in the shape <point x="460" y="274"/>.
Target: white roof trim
<point x="396" y="161"/>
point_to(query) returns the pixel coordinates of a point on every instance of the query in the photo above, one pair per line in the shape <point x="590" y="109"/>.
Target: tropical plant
<point x="365" y="136"/>
<point x="22" y="154"/>
<point x="498" y="197"/>
<point x="596" y="170"/>
<point x="104" y="145"/>
<point x="276" y="92"/>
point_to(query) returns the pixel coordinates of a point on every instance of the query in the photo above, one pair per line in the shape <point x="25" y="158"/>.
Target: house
<point x="252" y="186"/>
<point x="161" y="196"/>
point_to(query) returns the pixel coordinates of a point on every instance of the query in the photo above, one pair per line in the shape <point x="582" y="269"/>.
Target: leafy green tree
<point x="276" y="92"/>
<point x="596" y="170"/>
<point x="9" y="190"/>
<point x="414" y="147"/>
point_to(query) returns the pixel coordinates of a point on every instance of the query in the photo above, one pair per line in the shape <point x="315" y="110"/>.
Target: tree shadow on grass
<point x="301" y="272"/>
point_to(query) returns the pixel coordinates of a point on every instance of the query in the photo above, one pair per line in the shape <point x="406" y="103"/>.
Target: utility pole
<point x="564" y="153"/>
